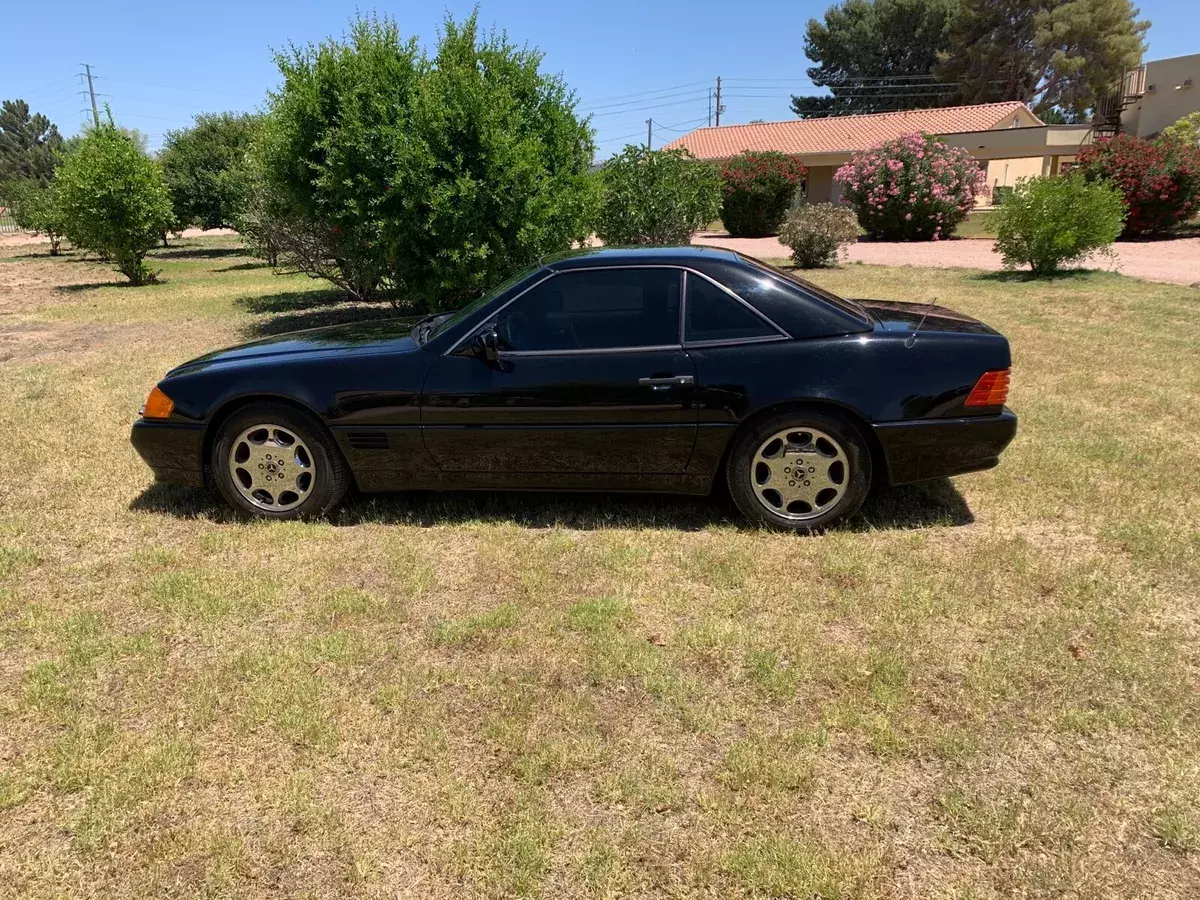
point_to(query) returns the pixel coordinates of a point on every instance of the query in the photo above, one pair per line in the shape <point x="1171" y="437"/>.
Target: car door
<point x="589" y="377"/>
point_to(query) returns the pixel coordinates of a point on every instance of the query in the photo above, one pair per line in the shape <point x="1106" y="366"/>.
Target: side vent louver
<point x="368" y="440"/>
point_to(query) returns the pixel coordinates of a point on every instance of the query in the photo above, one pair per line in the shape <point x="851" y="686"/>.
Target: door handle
<point x="663" y="384"/>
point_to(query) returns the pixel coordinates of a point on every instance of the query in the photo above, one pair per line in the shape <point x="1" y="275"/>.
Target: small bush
<point x="36" y="209"/>
<point x="656" y="197"/>
<point x="912" y="188"/>
<point x="113" y="200"/>
<point x="817" y="232"/>
<point x="1160" y="180"/>
<point x="1047" y="222"/>
<point x="1186" y="130"/>
<point x="757" y="188"/>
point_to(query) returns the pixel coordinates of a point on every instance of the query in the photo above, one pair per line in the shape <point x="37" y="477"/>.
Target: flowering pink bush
<point x="911" y="188"/>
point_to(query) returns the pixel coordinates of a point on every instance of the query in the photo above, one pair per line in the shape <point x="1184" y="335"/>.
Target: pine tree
<point x="28" y="144"/>
<point x="1052" y="54"/>
<point x="876" y="55"/>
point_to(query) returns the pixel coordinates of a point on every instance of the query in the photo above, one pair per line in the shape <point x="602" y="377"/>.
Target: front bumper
<point x="921" y="449"/>
<point x="173" y="450"/>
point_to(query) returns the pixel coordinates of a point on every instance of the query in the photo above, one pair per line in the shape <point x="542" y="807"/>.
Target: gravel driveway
<point x="1176" y="261"/>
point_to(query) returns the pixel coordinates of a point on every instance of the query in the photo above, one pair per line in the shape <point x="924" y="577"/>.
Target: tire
<point x="298" y="471"/>
<point x="770" y="488"/>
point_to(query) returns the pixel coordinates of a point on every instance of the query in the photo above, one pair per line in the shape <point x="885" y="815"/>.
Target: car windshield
<point x="840" y="302"/>
<point x="447" y="321"/>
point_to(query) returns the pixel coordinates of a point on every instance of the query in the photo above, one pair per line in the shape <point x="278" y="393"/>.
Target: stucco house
<point x="1154" y="95"/>
<point x="1007" y="138"/>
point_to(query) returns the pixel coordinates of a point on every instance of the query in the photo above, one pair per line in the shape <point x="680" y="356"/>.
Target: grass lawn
<point x="983" y="688"/>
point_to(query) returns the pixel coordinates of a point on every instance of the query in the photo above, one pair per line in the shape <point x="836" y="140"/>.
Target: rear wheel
<point x="276" y="462"/>
<point x="799" y="471"/>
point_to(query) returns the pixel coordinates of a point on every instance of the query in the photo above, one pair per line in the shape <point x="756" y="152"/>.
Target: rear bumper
<point x="922" y="449"/>
<point x="174" y="451"/>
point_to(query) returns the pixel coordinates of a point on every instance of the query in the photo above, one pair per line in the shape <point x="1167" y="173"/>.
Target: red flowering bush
<point x="911" y="188"/>
<point x="1160" y="180"/>
<point x="758" y="189"/>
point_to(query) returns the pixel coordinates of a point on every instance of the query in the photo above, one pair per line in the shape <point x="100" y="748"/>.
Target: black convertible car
<point x="610" y="370"/>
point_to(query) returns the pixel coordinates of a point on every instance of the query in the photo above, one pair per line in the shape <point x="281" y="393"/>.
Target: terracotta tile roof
<point x="844" y="133"/>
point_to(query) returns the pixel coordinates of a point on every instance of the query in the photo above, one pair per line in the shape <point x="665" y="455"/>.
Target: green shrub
<point x="1046" y="222"/>
<point x="656" y="197"/>
<point x="422" y="178"/>
<point x="757" y="189"/>
<point x="1185" y="130"/>
<point x="199" y="166"/>
<point x="816" y="232"/>
<point x="257" y="209"/>
<point x="36" y="209"/>
<point x="113" y="200"/>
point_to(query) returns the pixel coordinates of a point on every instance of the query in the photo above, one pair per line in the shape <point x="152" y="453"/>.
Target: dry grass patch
<point x="982" y="688"/>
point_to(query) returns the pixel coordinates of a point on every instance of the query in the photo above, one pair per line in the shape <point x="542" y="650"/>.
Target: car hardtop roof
<point x="638" y="256"/>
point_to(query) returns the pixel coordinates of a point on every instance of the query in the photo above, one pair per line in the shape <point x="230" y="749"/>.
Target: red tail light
<point x="990" y="390"/>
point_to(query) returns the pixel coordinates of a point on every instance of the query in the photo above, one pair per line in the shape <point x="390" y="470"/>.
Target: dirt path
<point x="1174" y="261"/>
<point x="32" y="286"/>
<point x="21" y="239"/>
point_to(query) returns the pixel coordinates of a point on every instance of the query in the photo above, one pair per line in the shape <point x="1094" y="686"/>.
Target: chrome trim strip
<point x="683" y="307"/>
<point x="686" y="270"/>
<point x="592" y="351"/>
<point x="732" y="342"/>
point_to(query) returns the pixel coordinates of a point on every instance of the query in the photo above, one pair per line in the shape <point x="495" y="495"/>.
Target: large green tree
<point x="876" y="55"/>
<point x="29" y="144"/>
<point x="1053" y="54"/>
<point x="424" y="178"/>
<point x="112" y="199"/>
<point x="200" y="165"/>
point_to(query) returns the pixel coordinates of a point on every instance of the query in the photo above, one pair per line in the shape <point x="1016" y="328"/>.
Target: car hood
<point x="897" y="315"/>
<point x="386" y="335"/>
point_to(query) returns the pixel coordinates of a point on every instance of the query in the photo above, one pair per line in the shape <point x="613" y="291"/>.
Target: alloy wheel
<point x="800" y="473"/>
<point x="272" y="467"/>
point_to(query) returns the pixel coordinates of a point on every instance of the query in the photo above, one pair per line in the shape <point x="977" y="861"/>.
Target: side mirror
<point x="487" y="345"/>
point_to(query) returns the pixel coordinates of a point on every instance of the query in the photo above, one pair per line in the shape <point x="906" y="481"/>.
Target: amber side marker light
<point x="991" y="389"/>
<point x="158" y="405"/>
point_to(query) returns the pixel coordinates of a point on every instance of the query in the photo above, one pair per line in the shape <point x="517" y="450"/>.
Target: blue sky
<point x="160" y="63"/>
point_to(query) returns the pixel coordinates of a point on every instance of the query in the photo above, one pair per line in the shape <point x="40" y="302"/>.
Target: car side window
<point x="594" y="309"/>
<point x="712" y="314"/>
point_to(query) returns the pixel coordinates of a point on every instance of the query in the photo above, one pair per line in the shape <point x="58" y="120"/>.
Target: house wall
<point x="1007" y="172"/>
<point x="820" y="184"/>
<point x="1164" y="105"/>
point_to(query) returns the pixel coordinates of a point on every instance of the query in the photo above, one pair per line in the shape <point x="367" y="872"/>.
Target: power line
<point x="640" y="108"/>
<point x="620" y="137"/>
<point x="676" y="87"/>
<point x="692" y="93"/>
<point x="53" y="93"/>
<point x="177" y="87"/>
<point x="844" y="78"/>
<point x="910" y="96"/>
<point x="682" y="126"/>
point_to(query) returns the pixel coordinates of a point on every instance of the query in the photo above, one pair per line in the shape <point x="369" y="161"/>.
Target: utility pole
<point x="92" y="94"/>
<point x="649" y="134"/>
<point x="710" y="107"/>
<point x="720" y="108"/>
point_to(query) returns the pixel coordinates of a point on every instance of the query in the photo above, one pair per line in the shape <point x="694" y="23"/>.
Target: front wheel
<point x="799" y="471"/>
<point x="275" y="462"/>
